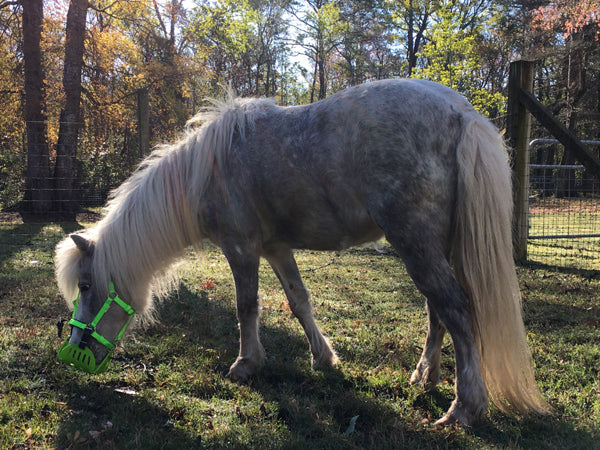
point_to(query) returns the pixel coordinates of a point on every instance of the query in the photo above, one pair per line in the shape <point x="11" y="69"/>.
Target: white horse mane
<point x="152" y="217"/>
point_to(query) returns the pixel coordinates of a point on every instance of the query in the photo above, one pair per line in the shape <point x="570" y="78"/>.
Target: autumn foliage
<point x="181" y="52"/>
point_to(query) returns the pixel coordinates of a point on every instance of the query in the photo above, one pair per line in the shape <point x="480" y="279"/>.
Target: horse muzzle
<point x="86" y="349"/>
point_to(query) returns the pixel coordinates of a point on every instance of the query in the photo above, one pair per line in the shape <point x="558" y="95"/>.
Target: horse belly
<point x="321" y="224"/>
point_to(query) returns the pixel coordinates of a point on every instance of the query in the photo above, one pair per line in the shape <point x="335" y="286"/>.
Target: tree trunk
<point x="575" y="75"/>
<point x="37" y="181"/>
<point x="65" y="176"/>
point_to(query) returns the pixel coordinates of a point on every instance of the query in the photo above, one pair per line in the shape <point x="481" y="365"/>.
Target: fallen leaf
<point x="209" y="283"/>
<point x="95" y="434"/>
<point x="350" y="428"/>
<point x="126" y="391"/>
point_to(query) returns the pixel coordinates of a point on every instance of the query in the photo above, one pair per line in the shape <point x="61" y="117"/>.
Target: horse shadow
<point x="317" y="408"/>
<point x="287" y="380"/>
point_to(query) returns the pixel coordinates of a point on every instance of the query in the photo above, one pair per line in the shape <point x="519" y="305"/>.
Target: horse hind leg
<point x="448" y="300"/>
<point x="429" y="268"/>
<point x="284" y="265"/>
<point x="427" y="373"/>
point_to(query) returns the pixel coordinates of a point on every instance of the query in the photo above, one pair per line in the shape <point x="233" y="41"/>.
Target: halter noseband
<point x="79" y="355"/>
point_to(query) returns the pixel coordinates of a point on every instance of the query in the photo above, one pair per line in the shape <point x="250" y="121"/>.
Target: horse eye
<point x="84" y="287"/>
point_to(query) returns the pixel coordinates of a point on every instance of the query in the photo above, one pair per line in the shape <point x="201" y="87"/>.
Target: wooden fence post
<point x="143" y="123"/>
<point x="518" y="130"/>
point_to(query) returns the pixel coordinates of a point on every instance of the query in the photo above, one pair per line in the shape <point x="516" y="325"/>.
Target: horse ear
<point x="83" y="244"/>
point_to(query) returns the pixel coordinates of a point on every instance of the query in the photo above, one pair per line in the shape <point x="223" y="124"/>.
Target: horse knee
<point x="247" y="309"/>
<point x="301" y="309"/>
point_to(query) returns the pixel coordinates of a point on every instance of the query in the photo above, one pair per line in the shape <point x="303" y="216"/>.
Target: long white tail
<point x="482" y="256"/>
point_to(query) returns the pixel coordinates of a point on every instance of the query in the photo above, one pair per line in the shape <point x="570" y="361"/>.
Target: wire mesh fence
<point x="564" y="217"/>
<point x="47" y="192"/>
<point x="564" y="213"/>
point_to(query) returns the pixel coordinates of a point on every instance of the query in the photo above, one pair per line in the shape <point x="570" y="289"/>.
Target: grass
<point x="166" y="387"/>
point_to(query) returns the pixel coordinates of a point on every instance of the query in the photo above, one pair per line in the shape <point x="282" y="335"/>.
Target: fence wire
<point x="564" y="217"/>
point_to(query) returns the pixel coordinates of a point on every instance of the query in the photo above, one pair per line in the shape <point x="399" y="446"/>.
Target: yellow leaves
<point x="113" y="51"/>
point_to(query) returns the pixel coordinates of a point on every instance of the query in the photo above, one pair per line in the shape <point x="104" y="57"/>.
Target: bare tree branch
<point x="7" y="3"/>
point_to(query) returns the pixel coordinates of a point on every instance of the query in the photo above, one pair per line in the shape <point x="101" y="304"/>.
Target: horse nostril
<point x="87" y="334"/>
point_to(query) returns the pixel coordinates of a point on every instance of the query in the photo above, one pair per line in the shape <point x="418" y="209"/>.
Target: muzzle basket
<point x="82" y="358"/>
<point x="79" y="354"/>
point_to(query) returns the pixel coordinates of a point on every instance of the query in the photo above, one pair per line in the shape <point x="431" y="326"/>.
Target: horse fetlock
<point x="243" y="368"/>
<point x="326" y="359"/>
<point x="465" y="414"/>
<point x="425" y="376"/>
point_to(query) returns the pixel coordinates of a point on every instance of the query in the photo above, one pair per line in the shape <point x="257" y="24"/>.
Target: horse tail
<point x="482" y="256"/>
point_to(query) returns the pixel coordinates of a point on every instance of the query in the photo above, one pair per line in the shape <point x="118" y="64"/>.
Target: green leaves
<point x="452" y="54"/>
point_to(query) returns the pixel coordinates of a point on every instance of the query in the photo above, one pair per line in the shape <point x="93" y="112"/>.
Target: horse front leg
<point x="427" y="373"/>
<point x="245" y="273"/>
<point x="284" y="265"/>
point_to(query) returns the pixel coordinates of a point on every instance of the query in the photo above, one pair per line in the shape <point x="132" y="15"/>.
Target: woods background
<point x="72" y="72"/>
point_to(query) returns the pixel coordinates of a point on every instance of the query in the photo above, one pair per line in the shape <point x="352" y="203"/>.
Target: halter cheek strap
<point x="91" y="327"/>
<point x="80" y="355"/>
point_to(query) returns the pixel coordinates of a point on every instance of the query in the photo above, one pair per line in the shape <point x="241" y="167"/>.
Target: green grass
<point x="166" y="388"/>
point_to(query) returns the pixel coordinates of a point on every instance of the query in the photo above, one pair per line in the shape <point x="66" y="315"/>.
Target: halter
<point x="80" y="355"/>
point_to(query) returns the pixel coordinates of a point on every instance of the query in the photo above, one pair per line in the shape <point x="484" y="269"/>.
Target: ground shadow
<point x="552" y="317"/>
<point x="589" y="274"/>
<point x="104" y="416"/>
<point x="287" y="380"/>
<point x="16" y="237"/>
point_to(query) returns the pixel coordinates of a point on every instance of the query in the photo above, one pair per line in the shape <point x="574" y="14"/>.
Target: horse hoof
<point x="460" y="415"/>
<point x="325" y="362"/>
<point x="242" y="370"/>
<point x="426" y="378"/>
<point x="448" y="421"/>
<point x="236" y="376"/>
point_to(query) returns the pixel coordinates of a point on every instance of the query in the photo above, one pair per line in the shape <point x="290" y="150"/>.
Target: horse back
<point x="317" y="176"/>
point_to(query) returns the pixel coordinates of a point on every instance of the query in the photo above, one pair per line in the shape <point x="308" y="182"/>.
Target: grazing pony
<point x="410" y="160"/>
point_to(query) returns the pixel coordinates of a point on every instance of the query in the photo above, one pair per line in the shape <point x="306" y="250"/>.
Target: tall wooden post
<point x="518" y="131"/>
<point x="143" y="123"/>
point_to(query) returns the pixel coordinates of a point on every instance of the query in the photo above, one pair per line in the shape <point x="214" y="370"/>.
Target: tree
<point x="221" y="32"/>
<point x="571" y="41"/>
<point x="413" y="18"/>
<point x="12" y="130"/>
<point x="367" y="48"/>
<point x="571" y="16"/>
<point x="37" y="179"/>
<point x="321" y="31"/>
<point x="452" y="54"/>
<point x="265" y="49"/>
<point x="65" y="170"/>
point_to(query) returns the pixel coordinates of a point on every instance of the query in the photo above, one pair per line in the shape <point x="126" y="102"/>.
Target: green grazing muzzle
<point x="79" y="355"/>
